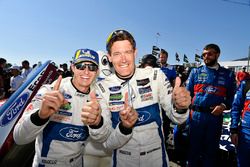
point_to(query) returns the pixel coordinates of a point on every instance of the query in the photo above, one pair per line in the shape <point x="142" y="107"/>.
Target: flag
<point x="197" y="58"/>
<point x="185" y="59"/>
<point x="177" y="57"/>
<point x="155" y="48"/>
<point x="155" y="53"/>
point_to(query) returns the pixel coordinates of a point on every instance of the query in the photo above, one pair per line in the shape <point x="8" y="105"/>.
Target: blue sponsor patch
<point x="211" y="89"/>
<point x="65" y="113"/>
<point x="145" y="90"/>
<point x="115" y="88"/>
<point x="13" y="111"/>
<point x="143" y="117"/>
<point x="67" y="96"/>
<point x="74" y="134"/>
<point x="142" y="82"/>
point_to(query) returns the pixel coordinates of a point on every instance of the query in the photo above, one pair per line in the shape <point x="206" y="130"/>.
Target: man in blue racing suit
<point x="54" y="117"/>
<point x="212" y="88"/>
<point x="132" y="99"/>
<point x="240" y="123"/>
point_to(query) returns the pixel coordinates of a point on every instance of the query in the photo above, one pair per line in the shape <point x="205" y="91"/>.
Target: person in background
<point x="212" y="88"/>
<point x="132" y="99"/>
<point x="149" y="60"/>
<point x="54" y="117"/>
<point x="26" y="69"/>
<point x="66" y="72"/>
<point x="240" y="123"/>
<point x="2" y="76"/>
<point x="242" y="75"/>
<point x="16" y="80"/>
<point x="168" y="70"/>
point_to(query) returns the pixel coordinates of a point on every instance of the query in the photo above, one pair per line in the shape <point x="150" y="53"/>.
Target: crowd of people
<point x="129" y="112"/>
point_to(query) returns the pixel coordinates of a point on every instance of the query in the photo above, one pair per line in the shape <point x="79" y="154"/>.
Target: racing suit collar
<point x="77" y="90"/>
<point x="125" y="78"/>
<point x="215" y="67"/>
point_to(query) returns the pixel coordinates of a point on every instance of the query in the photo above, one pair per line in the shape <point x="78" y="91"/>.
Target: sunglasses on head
<point x="82" y="66"/>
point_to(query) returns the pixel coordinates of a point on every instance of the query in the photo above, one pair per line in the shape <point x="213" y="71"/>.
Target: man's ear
<point x="109" y="57"/>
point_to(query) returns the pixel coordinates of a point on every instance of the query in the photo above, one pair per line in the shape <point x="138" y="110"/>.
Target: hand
<point x="52" y="101"/>
<point x="181" y="96"/>
<point x="218" y="110"/>
<point x="234" y="139"/>
<point x="91" y="111"/>
<point x="128" y="116"/>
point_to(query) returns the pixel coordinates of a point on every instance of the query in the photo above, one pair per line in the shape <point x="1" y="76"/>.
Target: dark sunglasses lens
<point x="92" y="67"/>
<point x="82" y="66"/>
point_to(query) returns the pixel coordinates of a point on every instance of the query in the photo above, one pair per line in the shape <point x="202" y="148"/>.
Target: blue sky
<point x="40" y="30"/>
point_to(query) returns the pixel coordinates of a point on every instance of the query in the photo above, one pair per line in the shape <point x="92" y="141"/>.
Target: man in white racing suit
<point x="132" y="93"/>
<point x="54" y="117"/>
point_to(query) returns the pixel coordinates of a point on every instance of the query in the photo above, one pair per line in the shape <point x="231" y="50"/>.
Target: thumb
<point x="177" y="82"/>
<point x="92" y="96"/>
<point x="58" y="82"/>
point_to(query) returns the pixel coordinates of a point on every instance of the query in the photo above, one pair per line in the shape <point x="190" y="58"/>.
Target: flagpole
<point x="157" y="36"/>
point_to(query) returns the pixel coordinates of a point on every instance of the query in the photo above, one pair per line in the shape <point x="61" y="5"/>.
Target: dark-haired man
<point x="212" y="88"/>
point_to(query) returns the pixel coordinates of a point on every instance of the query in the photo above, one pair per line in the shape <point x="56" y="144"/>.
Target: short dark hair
<point x="150" y="60"/>
<point x="119" y="35"/>
<point x="163" y="51"/>
<point x="2" y="61"/>
<point x="212" y="46"/>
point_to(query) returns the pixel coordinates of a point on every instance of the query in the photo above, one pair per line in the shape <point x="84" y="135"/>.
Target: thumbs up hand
<point x="181" y="96"/>
<point x="128" y="116"/>
<point x="52" y="101"/>
<point x="91" y="111"/>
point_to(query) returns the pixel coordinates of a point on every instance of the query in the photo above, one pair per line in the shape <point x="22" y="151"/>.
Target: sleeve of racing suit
<point x="27" y="128"/>
<point x="165" y="98"/>
<point x="230" y="91"/>
<point x="190" y="82"/>
<point x="110" y="137"/>
<point x="237" y="106"/>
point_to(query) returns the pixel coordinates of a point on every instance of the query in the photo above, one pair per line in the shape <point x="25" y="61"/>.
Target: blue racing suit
<point x="240" y="123"/>
<point x="209" y="87"/>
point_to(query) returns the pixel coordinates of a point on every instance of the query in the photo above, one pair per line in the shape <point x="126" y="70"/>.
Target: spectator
<point x="149" y="60"/>
<point x="16" y="80"/>
<point x="242" y="75"/>
<point x="2" y="76"/>
<point x="240" y="124"/>
<point x="212" y="88"/>
<point x="66" y="72"/>
<point x="53" y="118"/>
<point x="26" y="68"/>
<point x="168" y="70"/>
<point x="131" y="99"/>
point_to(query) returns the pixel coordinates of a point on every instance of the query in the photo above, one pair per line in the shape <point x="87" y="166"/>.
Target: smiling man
<point x="54" y="118"/>
<point x="131" y="99"/>
<point x="212" y="88"/>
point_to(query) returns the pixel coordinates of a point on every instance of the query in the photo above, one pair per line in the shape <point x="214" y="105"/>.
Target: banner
<point x="13" y="108"/>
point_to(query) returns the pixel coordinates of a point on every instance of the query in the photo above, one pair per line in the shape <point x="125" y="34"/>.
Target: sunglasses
<point x="82" y="66"/>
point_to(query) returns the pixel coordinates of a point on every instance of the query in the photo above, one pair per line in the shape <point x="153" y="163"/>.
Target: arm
<point x="168" y="99"/>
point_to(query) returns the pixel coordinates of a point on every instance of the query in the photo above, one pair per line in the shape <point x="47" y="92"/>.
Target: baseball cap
<point x="86" y="55"/>
<point x="15" y="68"/>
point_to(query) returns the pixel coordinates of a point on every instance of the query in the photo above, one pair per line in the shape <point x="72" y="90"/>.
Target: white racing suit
<point x="147" y="90"/>
<point x="60" y="141"/>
